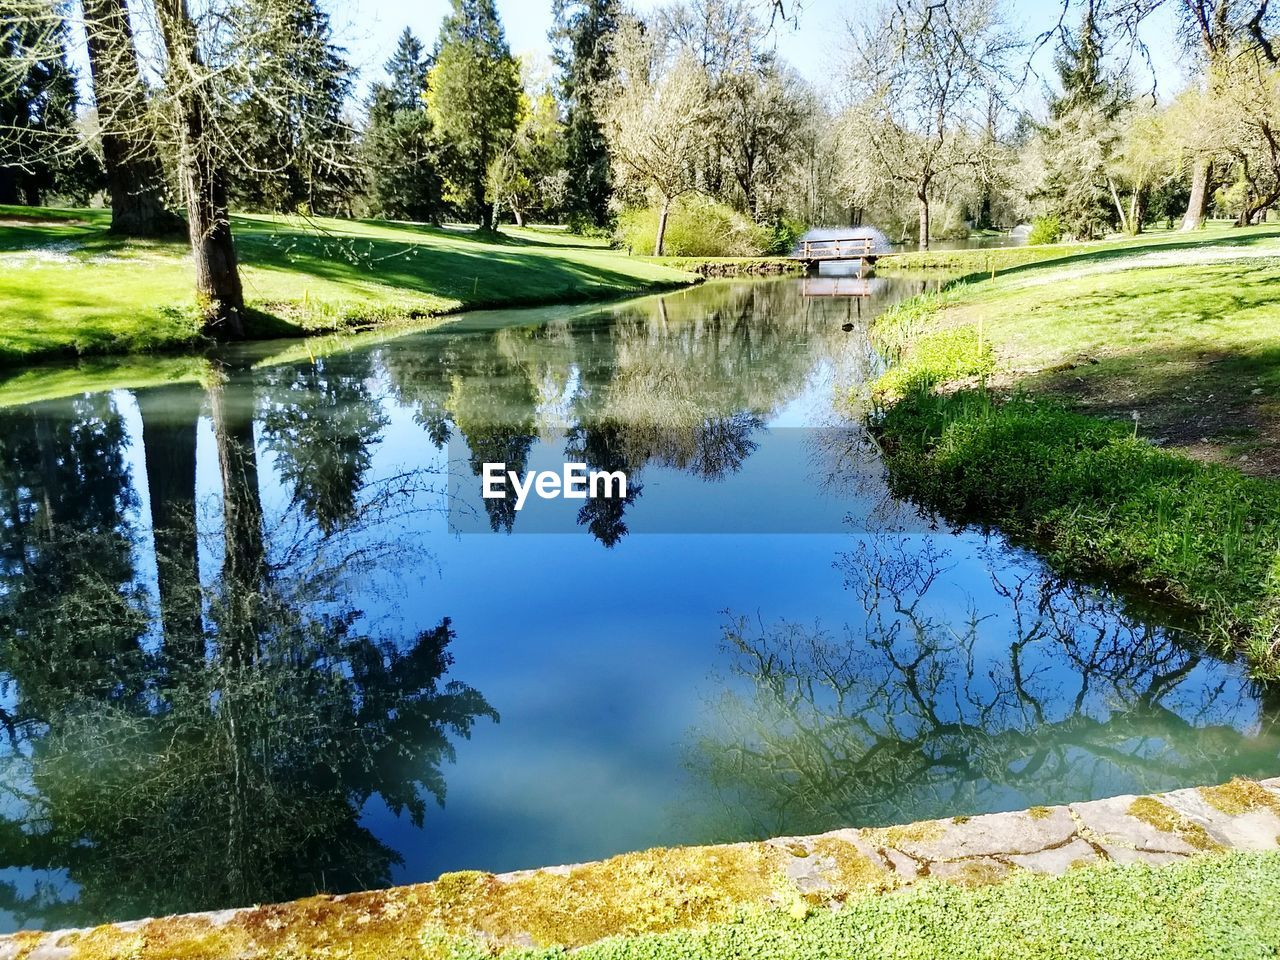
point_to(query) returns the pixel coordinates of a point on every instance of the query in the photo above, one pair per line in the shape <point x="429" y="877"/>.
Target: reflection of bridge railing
<point x="836" y="287"/>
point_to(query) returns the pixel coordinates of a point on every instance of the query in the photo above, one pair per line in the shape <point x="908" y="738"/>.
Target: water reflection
<point x="929" y="703"/>
<point x="218" y="751"/>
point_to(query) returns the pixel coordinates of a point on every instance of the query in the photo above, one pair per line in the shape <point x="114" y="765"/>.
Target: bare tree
<point x="921" y="74"/>
<point x="654" y="117"/>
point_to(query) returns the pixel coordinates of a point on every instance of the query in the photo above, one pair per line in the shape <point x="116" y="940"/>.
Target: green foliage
<point x="1100" y="499"/>
<point x="293" y="147"/>
<point x="1046" y="228"/>
<point x="1213" y="906"/>
<point x="473" y="93"/>
<point x="583" y="35"/>
<point x="938" y="357"/>
<point x="40" y="150"/>
<point x="697" y="226"/>
<point x="783" y="236"/>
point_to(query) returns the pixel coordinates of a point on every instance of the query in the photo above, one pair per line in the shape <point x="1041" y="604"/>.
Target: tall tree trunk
<point x="1194" y="216"/>
<point x="203" y="180"/>
<point x="518" y="214"/>
<point x="135" y="180"/>
<point x="923" y="197"/>
<point x="170" y="417"/>
<point x="660" y="239"/>
<point x="486" y="210"/>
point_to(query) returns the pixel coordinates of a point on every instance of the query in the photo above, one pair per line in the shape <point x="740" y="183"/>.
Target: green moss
<point x="923" y="832"/>
<point x="1168" y="820"/>
<point x="853" y="872"/>
<point x="1240" y="796"/>
<point x="1039" y="813"/>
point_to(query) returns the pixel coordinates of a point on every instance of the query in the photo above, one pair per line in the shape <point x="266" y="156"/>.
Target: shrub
<point x="1046" y="228"/>
<point x="697" y="226"/>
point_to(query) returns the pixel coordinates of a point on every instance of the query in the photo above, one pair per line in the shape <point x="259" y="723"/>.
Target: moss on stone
<point x="853" y="872"/>
<point x="1240" y="796"/>
<point x="922" y="832"/>
<point x="1168" y="820"/>
<point x="1039" y="813"/>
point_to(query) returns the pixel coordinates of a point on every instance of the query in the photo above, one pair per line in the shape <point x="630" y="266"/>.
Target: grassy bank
<point x="68" y="288"/>
<point x="1105" y="408"/>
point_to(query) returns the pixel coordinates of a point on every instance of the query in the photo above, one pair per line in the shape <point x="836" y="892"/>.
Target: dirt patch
<point x="1195" y="404"/>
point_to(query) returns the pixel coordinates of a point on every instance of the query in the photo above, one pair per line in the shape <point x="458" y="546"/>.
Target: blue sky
<point x="369" y="29"/>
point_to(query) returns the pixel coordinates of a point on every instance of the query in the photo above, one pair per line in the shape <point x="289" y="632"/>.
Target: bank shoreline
<point x="861" y="886"/>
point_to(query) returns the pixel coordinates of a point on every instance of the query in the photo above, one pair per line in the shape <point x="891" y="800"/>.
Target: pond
<point x="261" y="635"/>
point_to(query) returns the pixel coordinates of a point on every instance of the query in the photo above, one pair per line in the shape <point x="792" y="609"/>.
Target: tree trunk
<point x="518" y="214"/>
<point x="1194" y="216"/>
<point x="486" y="211"/>
<point x="135" y="180"/>
<point x="203" y="180"/>
<point x="662" y="227"/>
<point x="923" y="197"/>
<point x="170" y="417"/>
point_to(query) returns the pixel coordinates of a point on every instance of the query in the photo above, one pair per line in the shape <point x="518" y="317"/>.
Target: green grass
<point x="69" y="288"/>
<point x="1210" y="907"/>
<point x="1093" y="372"/>
<point x="984" y="260"/>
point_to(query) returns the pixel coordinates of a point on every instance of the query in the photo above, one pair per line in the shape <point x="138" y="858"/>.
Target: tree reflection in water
<point x="1053" y="695"/>
<point x="216" y="748"/>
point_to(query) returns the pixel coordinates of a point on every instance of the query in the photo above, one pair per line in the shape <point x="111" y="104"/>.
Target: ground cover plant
<point x="1106" y="408"/>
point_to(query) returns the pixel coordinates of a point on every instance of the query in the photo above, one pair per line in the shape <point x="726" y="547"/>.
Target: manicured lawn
<point x="1105" y="408"/>
<point x="68" y="288"/>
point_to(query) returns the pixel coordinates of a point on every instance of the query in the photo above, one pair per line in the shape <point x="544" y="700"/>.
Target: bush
<point x="1046" y="228"/>
<point x="697" y="226"/>
<point x="784" y="234"/>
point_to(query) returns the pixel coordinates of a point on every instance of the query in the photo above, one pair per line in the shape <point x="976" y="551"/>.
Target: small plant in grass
<point x="1046" y="228"/>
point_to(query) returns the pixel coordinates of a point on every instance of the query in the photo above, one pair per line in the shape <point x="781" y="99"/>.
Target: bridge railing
<point x="837" y="248"/>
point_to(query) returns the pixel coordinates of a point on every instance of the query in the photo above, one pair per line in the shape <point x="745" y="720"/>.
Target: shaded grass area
<point x="67" y="287"/>
<point x="1176" y="349"/>
<point x="1218" y="905"/>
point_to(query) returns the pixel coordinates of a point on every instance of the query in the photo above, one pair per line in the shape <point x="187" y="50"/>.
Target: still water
<point x="261" y="636"/>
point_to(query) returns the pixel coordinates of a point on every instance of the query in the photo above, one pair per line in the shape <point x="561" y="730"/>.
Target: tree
<point x="287" y="135"/>
<point x="201" y="171"/>
<point x="583" y="38"/>
<point x="921" y="73"/>
<point x="40" y="150"/>
<point x="402" y="157"/>
<point x="135" y="178"/>
<point x="530" y="174"/>
<point x="473" y="94"/>
<point x="654" y="118"/>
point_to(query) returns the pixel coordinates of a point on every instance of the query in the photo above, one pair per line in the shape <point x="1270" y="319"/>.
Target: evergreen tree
<point x="473" y="93"/>
<point x="582" y="37"/>
<point x="1083" y="133"/>
<point x="293" y="142"/>
<point x="402" y="157"/>
<point x="41" y="151"/>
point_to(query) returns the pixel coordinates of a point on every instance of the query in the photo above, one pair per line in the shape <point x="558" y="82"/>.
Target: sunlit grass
<point x="69" y="288"/>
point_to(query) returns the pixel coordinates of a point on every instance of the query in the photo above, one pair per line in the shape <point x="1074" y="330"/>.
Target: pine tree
<point x="1083" y="133"/>
<point x="582" y="36"/>
<point x="294" y="143"/>
<point x="473" y="93"/>
<point x="41" y="151"/>
<point x="402" y="158"/>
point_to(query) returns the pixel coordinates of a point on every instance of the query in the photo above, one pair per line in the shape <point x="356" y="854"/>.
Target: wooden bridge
<point x="813" y="253"/>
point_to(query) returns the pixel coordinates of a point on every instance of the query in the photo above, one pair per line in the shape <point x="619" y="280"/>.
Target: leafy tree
<point x="583" y="38"/>
<point x="473" y="94"/>
<point x="530" y="174"/>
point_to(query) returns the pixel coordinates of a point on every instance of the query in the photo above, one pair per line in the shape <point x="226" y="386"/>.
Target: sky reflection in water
<point x="246" y="659"/>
